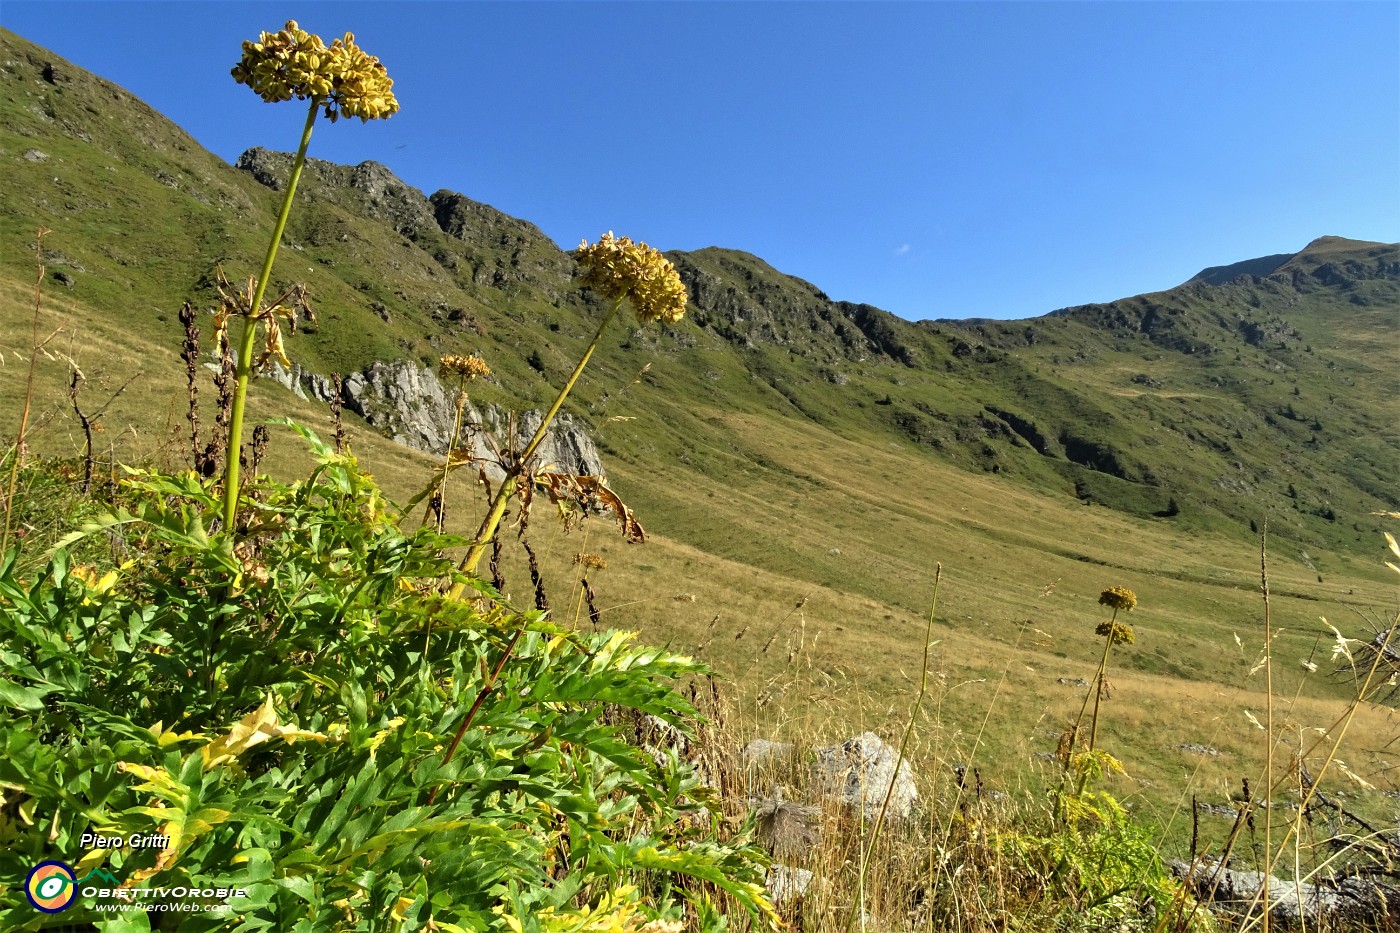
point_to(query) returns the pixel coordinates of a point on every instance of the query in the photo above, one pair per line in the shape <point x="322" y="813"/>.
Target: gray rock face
<point x="410" y="404"/>
<point x="404" y="400"/>
<point x="567" y="447"/>
<point x="860" y="771"/>
<point x="284" y="378"/>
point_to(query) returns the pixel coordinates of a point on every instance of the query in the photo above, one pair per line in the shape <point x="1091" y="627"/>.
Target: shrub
<point x="276" y="705"/>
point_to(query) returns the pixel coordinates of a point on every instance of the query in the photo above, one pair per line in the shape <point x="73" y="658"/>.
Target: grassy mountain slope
<point x="780" y="444"/>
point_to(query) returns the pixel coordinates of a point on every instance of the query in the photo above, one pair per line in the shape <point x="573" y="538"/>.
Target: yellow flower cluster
<point x="618" y="268"/>
<point x="591" y="561"/>
<point x="295" y="63"/>
<point x="1120" y="633"/>
<point x="468" y="367"/>
<point x="1118" y="597"/>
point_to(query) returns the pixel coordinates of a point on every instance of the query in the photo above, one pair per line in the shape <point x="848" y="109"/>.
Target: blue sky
<point x="934" y="159"/>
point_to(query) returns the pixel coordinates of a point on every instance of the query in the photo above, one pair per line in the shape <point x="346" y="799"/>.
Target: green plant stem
<point x="250" y="326"/>
<point x="493" y="521"/>
<point x="507" y="489"/>
<point x="461" y="403"/>
<point x="899" y="758"/>
<point x="1098" y="692"/>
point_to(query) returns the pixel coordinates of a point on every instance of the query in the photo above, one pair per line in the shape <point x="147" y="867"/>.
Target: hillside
<point x="781" y="445"/>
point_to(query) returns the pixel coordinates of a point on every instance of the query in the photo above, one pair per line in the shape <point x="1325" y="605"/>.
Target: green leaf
<point x="29" y="699"/>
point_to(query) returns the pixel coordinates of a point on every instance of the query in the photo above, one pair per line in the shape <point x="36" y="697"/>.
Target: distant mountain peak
<point x="1331" y="244"/>
<point x="1323" y="246"/>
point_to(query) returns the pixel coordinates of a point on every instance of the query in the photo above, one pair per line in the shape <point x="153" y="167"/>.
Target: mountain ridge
<point x="1205" y="404"/>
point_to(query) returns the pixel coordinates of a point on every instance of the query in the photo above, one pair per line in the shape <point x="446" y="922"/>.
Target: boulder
<point x="761" y="752"/>
<point x="787" y="885"/>
<point x="1355" y="899"/>
<point x="860" y="771"/>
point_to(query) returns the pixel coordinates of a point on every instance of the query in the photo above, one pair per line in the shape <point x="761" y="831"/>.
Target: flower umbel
<point x="618" y="268"/>
<point x="295" y="63"/>
<point x="467" y="367"/>
<point x="1119" y="633"/>
<point x="1118" y="597"/>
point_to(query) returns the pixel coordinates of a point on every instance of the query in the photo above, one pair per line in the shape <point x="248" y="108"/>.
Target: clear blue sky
<point x="934" y="159"/>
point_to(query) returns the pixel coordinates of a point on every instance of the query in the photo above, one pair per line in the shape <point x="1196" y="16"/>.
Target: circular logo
<point x="51" y="887"/>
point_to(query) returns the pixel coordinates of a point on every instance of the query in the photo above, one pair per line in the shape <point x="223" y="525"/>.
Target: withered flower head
<point x="236" y="303"/>
<point x="468" y="367"/>
<point x="618" y="268"/>
<point x="295" y="63"/>
<point x="1118" y="597"/>
<point x="1120" y="633"/>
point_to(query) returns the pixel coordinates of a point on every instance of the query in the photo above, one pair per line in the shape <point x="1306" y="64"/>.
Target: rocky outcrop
<point x="404" y="400"/>
<point x="859" y="772"/>
<point x="501" y="249"/>
<point x="491" y="248"/>
<point x="409" y="404"/>
<point x="373" y="189"/>
<point x="1360" y="900"/>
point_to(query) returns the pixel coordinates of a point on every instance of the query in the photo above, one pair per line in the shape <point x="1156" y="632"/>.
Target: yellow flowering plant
<point x="338" y="79"/>
<point x="620" y="271"/>
<point x="1119" y="599"/>
<point x="619" y="268"/>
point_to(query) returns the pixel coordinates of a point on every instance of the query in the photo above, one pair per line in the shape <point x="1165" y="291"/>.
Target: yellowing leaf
<point x="90" y="861"/>
<point x="157" y="780"/>
<point x="400" y="909"/>
<point x="257" y="727"/>
<point x="383" y="734"/>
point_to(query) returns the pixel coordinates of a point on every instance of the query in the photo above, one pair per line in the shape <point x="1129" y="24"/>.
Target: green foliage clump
<point x="1102" y="870"/>
<point x="278" y="703"/>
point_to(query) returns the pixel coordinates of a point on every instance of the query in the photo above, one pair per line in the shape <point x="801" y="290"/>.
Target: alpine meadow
<point x="371" y="563"/>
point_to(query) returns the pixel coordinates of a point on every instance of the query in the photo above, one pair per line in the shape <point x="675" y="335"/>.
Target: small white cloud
<point x="903" y="250"/>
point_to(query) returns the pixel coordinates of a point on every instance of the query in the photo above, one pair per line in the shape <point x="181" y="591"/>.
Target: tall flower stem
<point x="250" y="326"/>
<point x="507" y="488"/>
<point x="493" y="521"/>
<point x="1098" y="683"/>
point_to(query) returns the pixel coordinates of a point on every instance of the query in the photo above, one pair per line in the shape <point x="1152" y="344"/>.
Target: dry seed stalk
<point x="189" y="352"/>
<point x="337" y="405"/>
<point x="34" y="345"/>
<point x="91" y="424"/>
